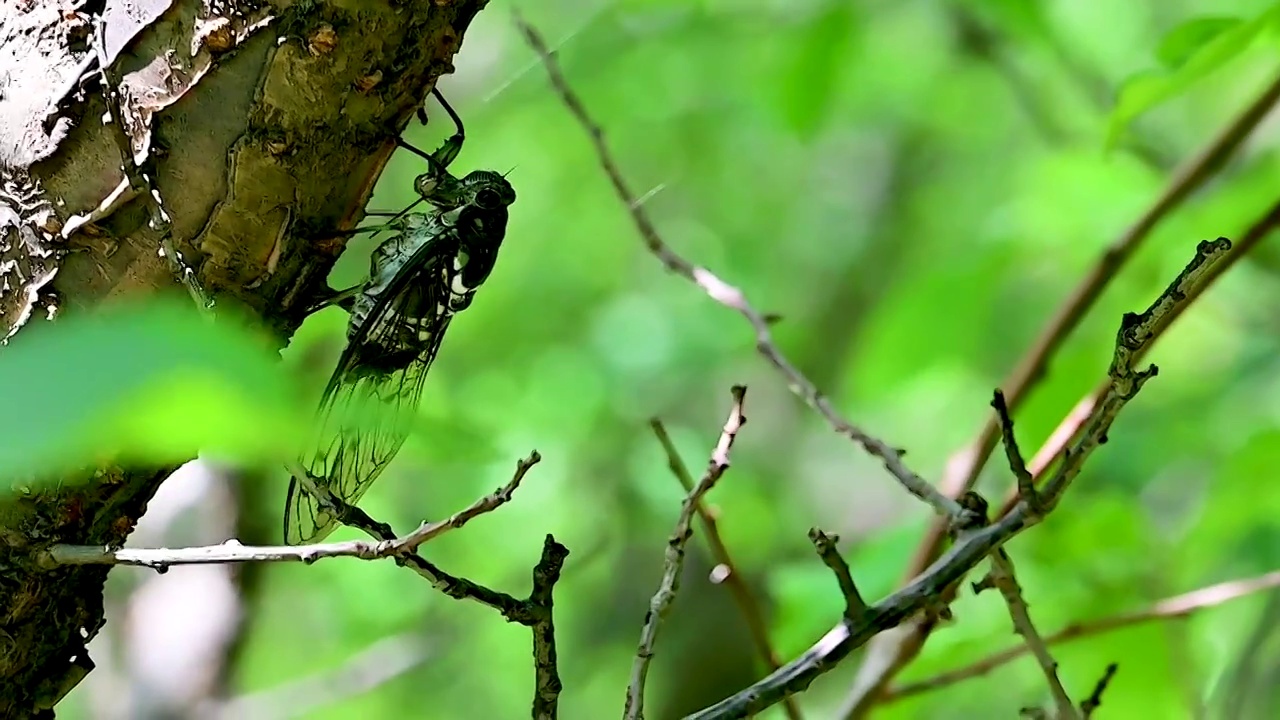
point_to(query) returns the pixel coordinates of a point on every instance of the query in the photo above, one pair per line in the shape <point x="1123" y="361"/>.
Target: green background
<point x="915" y="199"/>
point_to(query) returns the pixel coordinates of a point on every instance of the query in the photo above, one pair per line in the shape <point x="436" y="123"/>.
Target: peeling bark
<point x="263" y="125"/>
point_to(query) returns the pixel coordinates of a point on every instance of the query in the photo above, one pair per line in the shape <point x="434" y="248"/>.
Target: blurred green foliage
<point x="155" y="383"/>
<point x="914" y="187"/>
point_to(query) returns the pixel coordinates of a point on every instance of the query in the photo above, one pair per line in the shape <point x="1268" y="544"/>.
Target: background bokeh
<point x="913" y="187"/>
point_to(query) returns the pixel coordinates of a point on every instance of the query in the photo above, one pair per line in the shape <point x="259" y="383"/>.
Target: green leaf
<point x="1181" y="43"/>
<point x="152" y="383"/>
<point x="808" y="80"/>
<point x="1190" y="52"/>
<point x="1022" y="18"/>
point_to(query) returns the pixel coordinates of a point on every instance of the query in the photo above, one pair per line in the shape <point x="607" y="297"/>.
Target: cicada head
<point x="487" y="190"/>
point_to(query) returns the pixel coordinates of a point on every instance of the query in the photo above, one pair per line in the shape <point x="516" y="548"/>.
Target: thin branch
<point x="728" y="295"/>
<point x="1185" y="180"/>
<point x="972" y="546"/>
<point x="728" y="572"/>
<point x="1094" y="700"/>
<point x="673" y="561"/>
<point x="233" y="552"/>
<point x="854" y="606"/>
<point x="966" y="464"/>
<point x="1025" y="482"/>
<point x="1176" y="607"/>
<point x="1138" y="333"/>
<point x="1002" y="577"/>
<point x="534" y="612"/>
<point x="1074" y="423"/>
<point x="547" y="686"/>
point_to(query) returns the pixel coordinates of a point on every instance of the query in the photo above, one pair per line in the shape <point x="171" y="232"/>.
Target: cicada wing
<point x="371" y="399"/>
<point x="365" y="422"/>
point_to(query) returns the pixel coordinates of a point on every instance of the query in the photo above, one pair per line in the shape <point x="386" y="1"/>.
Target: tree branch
<point x="534" y="612"/>
<point x="966" y="464"/>
<point x="727" y="571"/>
<point x="1092" y="702"/>
<point x="854" y="606"/>
<point x="936" y="583"/>
<point x="1176" y="607"/>
<point x="1073" y="423"/>
<point x="233" y="552"/>
<point x="1003" y="579"/>
<point x="730" y="296"/>
<point x="673" y="561"/>
<point x="1186" y="179"/>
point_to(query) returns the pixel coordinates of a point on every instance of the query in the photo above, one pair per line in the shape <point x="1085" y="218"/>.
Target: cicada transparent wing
<point x="371" y="399"/>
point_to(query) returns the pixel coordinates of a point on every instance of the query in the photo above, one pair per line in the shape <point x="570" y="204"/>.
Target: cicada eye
<point x="488" y="198"/>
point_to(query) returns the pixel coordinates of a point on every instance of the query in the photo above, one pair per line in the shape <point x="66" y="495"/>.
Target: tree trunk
<point x="262" y="125"/>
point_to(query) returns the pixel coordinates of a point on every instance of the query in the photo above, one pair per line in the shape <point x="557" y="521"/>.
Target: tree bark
<point x="263" y="125"/>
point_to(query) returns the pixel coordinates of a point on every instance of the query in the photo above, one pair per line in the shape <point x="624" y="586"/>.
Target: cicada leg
<point x="342" y="298"/>
<point x="437" y="186"/>
<point x="345" y="513"/>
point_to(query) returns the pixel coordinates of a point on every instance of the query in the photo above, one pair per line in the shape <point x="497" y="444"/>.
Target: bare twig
<point x="963" y="469"/>
<point x="730" y="296"/>
<point x="1137" y="334"/>
<point x="1025" y="482"/>
<point x="1072" y="425"/>
<point x="729" y="573"/>
<point x="1092" y="702"/>
<point x="538" y="617"/>
<point x="1002" y="577"/>
<point x="854" y="606"/>
<point x="1185" y="180"/>
<point x="1177" y="607"/>
<point x="233" y="552"/>
<point x="673" y="561"/>
<point x="535" y="612"/>
<point x="893" y="653"/>
<point x="971" y="546"/>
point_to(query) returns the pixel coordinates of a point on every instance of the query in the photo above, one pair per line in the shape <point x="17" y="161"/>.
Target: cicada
<point x="426" y="272"/>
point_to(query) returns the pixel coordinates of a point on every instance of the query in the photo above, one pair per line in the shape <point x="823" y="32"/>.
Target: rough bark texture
<point x="264" y="125"/>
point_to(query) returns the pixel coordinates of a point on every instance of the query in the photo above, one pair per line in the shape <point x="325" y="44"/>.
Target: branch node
<point x="1026" y="482"/>
<point x="1092" y="702"/>
<point x="855" y="608"/>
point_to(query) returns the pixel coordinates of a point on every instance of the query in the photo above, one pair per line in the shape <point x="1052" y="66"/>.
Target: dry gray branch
<point x="727" y="569"/>
<point x="926" y="590"/>
<point x="534" y="612"/>
<point x="673" y="560"/>
<point x="233" y="552"/>
<point x="1094" y="700"/>
<point x="854" y="605"/>
<point x="730" y="296"/>
<point x="1177" y="607"/>
<point x="1002" y="578"/>
<point x="891" y="654"/>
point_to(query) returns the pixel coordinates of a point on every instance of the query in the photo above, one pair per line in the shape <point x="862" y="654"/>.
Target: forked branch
<point x="730" y="296"/>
